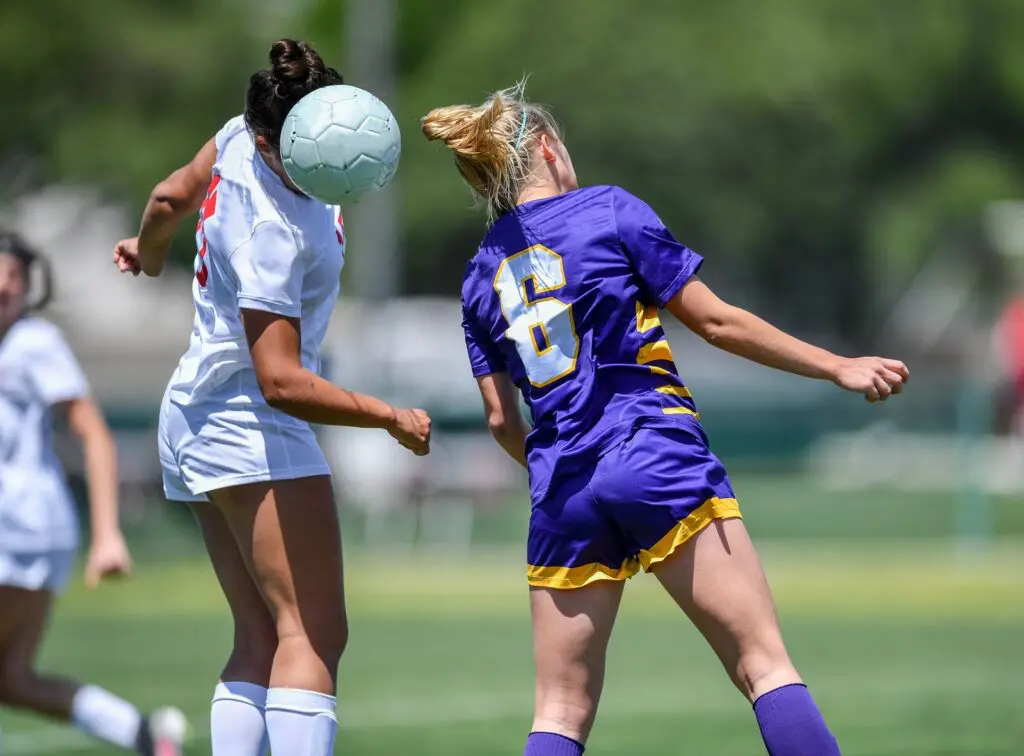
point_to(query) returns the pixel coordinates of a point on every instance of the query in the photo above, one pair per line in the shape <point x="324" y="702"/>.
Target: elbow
<point x="499" y="426"/>
<point x="168" y="199"/>
<point x="719" y="328"/>
<point x="279" y="388"/>
<point x="714" y="331"/>
<point x="152" y="268"/>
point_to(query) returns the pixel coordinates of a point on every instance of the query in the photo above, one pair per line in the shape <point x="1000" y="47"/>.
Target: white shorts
<point x="206" y="447"/>
<point x="37" y="570"/>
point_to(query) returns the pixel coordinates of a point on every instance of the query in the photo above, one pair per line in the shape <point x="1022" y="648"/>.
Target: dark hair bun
<point x="296" y="69"/>
<point x="295" y="62"/>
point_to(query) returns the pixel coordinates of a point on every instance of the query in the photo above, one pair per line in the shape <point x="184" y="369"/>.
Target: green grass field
<point x="910" y="648"/>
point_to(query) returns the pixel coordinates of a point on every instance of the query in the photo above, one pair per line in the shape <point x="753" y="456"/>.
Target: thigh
<point x="571" y="629"/>
<point x="289" y="539"/>
<point x="572" y="542"/>
<point x="23" y="618"/>
<point x="248" y="609"/>
<point x="718" y="581"/>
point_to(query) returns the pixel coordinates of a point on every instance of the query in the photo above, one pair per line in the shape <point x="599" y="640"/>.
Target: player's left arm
<point x="171" y="201"/>
<point x="501" y="407"/>
<point x="108" y="554"/>
<point x="744" y="334"/>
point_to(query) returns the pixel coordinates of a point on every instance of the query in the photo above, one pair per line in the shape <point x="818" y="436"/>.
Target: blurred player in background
<point x="40" y="378"/>
<point x="235" y="439"/>
<point x="561" y="301"/>
<point x="1010" y="347"/>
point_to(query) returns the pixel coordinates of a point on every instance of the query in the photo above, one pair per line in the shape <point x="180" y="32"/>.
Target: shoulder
<point x="470" y="274"/>
<point x="478" y="278"/>
<point x="621" y="198"/>
<point x="631" y="211"/>
<point x="34" y="334"/>
<point x="230" y="131"/>
<point x="42" y="348"/>
<point x="271" y="238"/>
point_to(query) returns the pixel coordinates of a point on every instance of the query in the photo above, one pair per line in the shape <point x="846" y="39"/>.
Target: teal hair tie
<point x="522" y="130"/>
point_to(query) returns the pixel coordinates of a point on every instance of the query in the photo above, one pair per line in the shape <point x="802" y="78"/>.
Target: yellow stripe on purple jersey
<point x="564" y="294"/>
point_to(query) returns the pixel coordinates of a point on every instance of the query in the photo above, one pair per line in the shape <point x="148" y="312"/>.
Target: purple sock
<point x="549" y="744"/>
<point x="791" y="724"/>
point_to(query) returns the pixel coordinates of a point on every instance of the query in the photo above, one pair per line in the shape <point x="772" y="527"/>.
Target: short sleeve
<point x="55" y="372"/>
<point x="485" y="357"/>
<point x="269" y="268"/>
<point x="662" y="264"/>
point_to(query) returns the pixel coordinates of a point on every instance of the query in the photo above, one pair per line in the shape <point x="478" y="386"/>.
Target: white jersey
<point x="264" y="247"/>
<point x="37" y="371"/>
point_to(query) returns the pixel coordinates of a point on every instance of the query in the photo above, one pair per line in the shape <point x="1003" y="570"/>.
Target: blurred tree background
<point x="813" y="150"/>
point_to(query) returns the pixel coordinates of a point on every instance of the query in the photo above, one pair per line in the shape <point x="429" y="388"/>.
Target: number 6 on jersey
<point x="541" y="326"/>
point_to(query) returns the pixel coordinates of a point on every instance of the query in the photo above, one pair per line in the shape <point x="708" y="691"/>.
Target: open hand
<point x="108" y="557"/>
<point x="876" y="377"/>
<point x="126" y="256"/>
<point x="412" y="430"/>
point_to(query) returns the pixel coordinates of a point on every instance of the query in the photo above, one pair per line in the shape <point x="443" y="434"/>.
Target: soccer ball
<point x="340" y="143"/>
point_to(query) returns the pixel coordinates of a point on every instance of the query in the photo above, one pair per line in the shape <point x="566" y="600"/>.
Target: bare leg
<point x="23" y="618"/>
<point x="255" y="635"/>
<point x="288" y="536"/>
<point x="571" y="629"/>
<point x="717" y="580"/>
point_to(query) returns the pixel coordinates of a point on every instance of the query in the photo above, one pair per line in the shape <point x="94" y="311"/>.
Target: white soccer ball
<point x="340" y="143"/>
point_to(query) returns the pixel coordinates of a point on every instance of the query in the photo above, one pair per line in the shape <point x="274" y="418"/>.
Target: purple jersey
<point x="564" y="294"/>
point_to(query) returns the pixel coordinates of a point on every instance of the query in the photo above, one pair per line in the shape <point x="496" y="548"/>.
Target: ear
<point x="547" y="148"/>
<point x="263" y="146"/>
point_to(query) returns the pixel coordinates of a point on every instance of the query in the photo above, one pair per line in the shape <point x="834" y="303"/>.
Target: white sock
<point x="300" y="722"/>
<point x="237" y="726"/>
<point x="105" y="716"/>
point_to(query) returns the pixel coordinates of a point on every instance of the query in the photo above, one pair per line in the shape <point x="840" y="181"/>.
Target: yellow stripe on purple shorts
<point x="576" y="577"/>
<point x="629" y="508"/>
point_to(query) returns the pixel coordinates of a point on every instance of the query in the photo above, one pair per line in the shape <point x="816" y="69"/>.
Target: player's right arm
<point x="501" y="407"/>
<point x="667" y="273"/>
<point x="499" y="393"/>
<point x="275" y="342"/>
<point x="746" y="335"/>
<point x="172" y="200"/>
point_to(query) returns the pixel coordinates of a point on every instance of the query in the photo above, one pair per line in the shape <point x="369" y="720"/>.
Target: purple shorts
<point x="638" y="502"/>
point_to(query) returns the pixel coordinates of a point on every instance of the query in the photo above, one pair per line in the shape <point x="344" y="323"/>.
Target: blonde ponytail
<point x="491" y="143"/>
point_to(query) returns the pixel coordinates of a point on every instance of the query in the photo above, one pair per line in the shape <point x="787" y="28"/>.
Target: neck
<point x="542" y="191"/>
<point x="280" y="173"/>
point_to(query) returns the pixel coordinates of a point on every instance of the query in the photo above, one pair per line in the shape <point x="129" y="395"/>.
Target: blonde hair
<point x="491" y="143"/>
